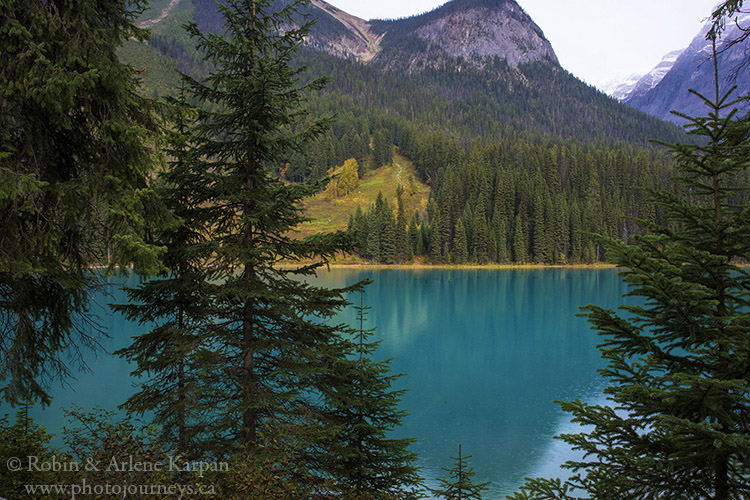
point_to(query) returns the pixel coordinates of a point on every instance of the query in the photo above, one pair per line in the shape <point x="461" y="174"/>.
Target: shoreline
<point x="462" y="267"/>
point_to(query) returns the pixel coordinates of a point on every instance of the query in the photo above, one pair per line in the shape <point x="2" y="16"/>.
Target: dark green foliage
<point x="378" y="235"/>
<point x="174" y="361"/>
<point x="382" y="148"/>
<point x="365" y="462"/>
<point x="459" y="485"/>
<point x="557" y="196"/>
<point x="20" y="440"/>
<point x="270" y="335"/>
<point x="274" y="470"/>
<point x="403" y="252"/>
<point x="414" y="234"/>
<point x="461" y="249"/>
<point x="101" y="437"/>
<point x="722" y="12"/>
<point x="677" y="422"/>
<point x="74" y="150"/>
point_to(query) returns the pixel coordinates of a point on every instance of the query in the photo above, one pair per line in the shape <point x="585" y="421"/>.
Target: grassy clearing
<point x="333" y="214"/>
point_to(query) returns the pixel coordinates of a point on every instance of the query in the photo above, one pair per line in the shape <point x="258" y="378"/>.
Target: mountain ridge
<point x="693" y="70"/>
<point x="509" y="92"/>
<point x="473" y="30"/>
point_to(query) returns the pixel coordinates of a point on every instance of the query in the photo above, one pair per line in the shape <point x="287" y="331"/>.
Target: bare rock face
<point x="353" y="40"/>
<point x="473" y="30"/>
<point x="694" y="69"/>
<point x="485" y="30"/>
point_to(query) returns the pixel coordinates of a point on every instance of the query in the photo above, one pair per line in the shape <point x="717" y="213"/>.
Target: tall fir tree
<point x="174" y="362"/>
<point x="270" y="333"/>
<point x="402" y="242"/>
<point x="24" y="438"/>
<point x="75" y="149"/>
<point x="415" y="235"/>
<point x="519" y="239"/>
<point x="436" y="222"/>
<point x="481" y="235"/>
<point x="382" y="148"/>
<point x="460" y="251"/>
<point x="364" y="460"/>
<point x="458" y="485"/>
<point x="678" y="420"/>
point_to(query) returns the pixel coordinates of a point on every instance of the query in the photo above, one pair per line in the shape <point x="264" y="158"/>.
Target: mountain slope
<point x="650" y="79"/>
<point x="360" y="42"/>
<point x="477" y="67"/>
<point x="694" y="69"/>
<point x="470" y="29"/>
<point x="528" y="158"/>
<point x="621" y="85"/>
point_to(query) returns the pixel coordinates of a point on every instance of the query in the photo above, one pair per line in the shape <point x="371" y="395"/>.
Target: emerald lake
<point x="485" y="354"/>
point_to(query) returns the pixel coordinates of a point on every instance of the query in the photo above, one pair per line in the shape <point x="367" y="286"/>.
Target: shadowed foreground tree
<point x="175" y="363"/>
<point x="459" y="485"/>
<point x="75" y="154"/>
<point x="270" y="331"/>
<point x="678" y="420"/>
<point x="365" y="462"/>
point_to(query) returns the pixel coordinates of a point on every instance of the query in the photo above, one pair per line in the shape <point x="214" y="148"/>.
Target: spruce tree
<point x="174" y="362"/>
<point x="24" y="438"/>
<point x="459" y="485"/>
<point x="519" y="239"/>
<point x="460" y="251"/>
<point x="75" y="149"/>
<point x="677" y="422"/>
<point x="415" y="235"/>
<point x="436" y="253"/>
<point x="270" y="334"/>
<point x="402" y="243"/>
<point x="481" y="235"/>
<point x="365" y="462"/>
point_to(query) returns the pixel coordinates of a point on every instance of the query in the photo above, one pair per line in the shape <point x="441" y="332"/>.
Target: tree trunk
<point x="181" y="431"/>
<point x="249" y="382"/>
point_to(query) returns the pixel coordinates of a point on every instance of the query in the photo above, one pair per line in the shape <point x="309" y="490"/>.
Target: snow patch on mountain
<point x="620" y="85"/>
<point x="693" y="69"/>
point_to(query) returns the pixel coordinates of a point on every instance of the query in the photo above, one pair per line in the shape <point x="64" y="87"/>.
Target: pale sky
<point x="596" y="40"/>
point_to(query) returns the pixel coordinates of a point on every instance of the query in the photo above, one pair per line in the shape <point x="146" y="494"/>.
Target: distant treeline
<point x="515" y="202"/>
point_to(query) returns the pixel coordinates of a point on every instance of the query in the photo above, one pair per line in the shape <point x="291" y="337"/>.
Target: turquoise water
<point x="485" y="353"/>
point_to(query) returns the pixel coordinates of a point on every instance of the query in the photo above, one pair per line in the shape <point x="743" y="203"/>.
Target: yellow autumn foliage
<point x="345" y="180"/>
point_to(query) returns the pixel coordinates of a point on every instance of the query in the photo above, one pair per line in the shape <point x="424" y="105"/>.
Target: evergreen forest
<point x="192" y="172"/>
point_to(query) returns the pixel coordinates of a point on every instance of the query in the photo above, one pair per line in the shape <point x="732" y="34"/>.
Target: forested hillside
<point x="525" y="161"/>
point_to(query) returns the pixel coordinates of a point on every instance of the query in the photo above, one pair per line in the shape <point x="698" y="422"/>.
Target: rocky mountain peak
<point x="474" y="30"/>
<point x="470" y="29"/>
<point x="486" y="28"/>
<point x="693" y="69"/>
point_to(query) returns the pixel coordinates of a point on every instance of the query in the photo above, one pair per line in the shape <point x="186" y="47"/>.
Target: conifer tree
<point x="24" y="438"/>
<point x="459" y="485"/>
<point x="499" y="231"/>
<point x="677" y="422"/>
<point x="270" y="334"/>
<point x="382" y="148"/>
<point x="75" y="149"/>
<point x="174" y="360"/>
<point x="519" y="239"/>
<point x="365" y="462"/>
<point x="436" y="253"/>
<point x="388" y="239"/>
<point x="481" y="236"/>
<point x="460" y="252"/>
<point x="402" y="243"/>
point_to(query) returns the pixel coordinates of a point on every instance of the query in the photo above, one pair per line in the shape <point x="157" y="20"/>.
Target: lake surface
<point x="485" y="352"/>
